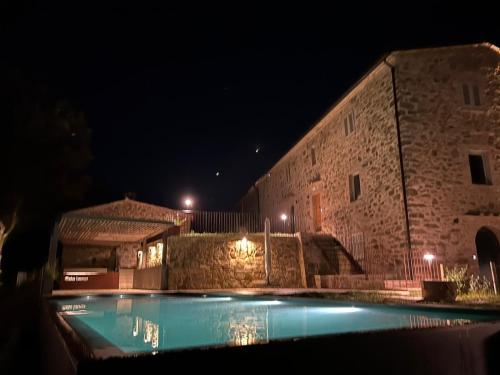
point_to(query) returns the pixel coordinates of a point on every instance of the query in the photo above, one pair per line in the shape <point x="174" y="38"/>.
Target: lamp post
<point x="429" y="258"/>
<point x="188" y="204"/>
<point x="283" y="218"/>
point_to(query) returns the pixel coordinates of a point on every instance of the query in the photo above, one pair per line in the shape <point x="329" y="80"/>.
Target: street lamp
<point x="429" y="258"/>
<point x="188" y="202"/>
<point x="283" y="218"/>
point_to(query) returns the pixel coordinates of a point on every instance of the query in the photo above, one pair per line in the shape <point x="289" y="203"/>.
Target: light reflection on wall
<point x="245" y="248"/>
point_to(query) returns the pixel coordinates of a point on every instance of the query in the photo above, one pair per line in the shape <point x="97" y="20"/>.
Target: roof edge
<point x="351" y="88"/>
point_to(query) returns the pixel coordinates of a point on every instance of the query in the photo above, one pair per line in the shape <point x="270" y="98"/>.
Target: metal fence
<point x="373" y="257"/>
<point x="378" y="262"/>
<point x="423" y="266"/>
<point x="236" y="222"/>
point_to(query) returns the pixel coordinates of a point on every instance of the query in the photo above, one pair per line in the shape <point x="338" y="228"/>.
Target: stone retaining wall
<point x="223" y="261"/>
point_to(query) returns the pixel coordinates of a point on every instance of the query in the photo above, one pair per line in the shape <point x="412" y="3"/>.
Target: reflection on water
<point x="419" y="321"/>
<point x="150" y="324"/>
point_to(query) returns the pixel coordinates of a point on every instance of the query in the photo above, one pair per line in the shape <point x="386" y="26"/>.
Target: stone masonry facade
<point x="438" y="133"/>
<point x="405" y="132"/>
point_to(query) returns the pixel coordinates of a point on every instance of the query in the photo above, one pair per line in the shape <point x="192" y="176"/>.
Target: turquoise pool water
<point x="151" y="323"/>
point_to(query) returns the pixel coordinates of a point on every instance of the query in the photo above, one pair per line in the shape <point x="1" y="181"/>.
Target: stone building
<point x="406" y="162"/>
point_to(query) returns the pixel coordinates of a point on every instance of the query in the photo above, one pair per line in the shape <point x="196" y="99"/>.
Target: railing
<point x="355" y="245"/>
<point x="373" y="257"/>
<point x="421" y="267"/>
<point x="377" y="262"/>
<point x="236" y="222"/>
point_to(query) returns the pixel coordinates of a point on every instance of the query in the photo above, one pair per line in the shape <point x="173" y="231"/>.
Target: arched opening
<point x="488" y="250"/>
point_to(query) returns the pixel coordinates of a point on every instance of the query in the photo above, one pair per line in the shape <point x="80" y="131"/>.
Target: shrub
<point x="480" y="285"/>
<point x="458" y="274"/>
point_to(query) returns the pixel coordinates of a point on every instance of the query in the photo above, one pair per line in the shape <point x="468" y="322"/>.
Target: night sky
<point x="174" y="96"/>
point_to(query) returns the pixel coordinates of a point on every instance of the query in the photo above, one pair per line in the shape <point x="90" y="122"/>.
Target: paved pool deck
<point x="399" y="294"/>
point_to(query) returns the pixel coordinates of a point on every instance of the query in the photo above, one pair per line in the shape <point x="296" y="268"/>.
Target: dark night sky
<point x="174" y="95"/>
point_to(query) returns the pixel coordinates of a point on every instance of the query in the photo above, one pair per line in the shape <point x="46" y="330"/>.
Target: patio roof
<point x="116" y="222"/>
<point x="81" y="229"/>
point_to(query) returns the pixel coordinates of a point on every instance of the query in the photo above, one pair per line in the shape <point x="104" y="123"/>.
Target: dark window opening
<point x="466" y="94"/>
<point x="471" y="95"/>
<point x="349" y="123"/>
<point x="478" y="169"/>
<point x="475" y="91"/>
<point x="313" y="156"/>
<point x="354" y="187"/>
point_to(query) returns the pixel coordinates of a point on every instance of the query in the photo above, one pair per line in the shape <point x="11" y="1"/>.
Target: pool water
<point x="151" y="323"/>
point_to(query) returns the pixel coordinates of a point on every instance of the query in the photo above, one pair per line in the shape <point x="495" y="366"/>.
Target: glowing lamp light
<point x="244" y="244"/>
<point x="429" y="257"/>
<point x="188" y="202"/>
<point x="283" y="217"/>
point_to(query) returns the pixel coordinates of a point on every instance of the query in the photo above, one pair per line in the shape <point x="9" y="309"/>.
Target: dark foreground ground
<point x="20" y="330"/>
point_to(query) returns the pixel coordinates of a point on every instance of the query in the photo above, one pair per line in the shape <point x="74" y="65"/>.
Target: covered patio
<point x="119" y="245"/>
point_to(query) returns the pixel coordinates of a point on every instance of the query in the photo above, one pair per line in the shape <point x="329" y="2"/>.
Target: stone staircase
<point x="324" y="255"/>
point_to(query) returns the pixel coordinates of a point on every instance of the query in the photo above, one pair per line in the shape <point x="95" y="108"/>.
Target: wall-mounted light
<point x="283" y="217"/>
<point x="140" y="255"/>
<point x="429" y="257"/>
<point x="245" y="247"/>
<point x="244" y="244"/>
<point x="474" y="256"/>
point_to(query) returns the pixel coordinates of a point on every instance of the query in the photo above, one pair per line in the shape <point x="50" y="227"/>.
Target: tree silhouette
<point x="44" y="151"/>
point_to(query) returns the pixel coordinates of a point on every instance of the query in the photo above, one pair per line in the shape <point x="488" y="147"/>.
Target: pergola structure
<point x="101" y="230"/>
<point x="112" y="224"/>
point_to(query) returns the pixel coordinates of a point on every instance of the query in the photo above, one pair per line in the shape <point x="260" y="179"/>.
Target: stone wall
<point x="80" y="256"/>
<point x="222" y="261"/>
<point x="370" y="151"/>
<point x="127" y="254"/>
<point x="438" y="131"/>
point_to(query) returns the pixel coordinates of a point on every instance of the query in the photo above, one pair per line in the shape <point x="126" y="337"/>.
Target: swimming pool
<point x="130" y="324"/>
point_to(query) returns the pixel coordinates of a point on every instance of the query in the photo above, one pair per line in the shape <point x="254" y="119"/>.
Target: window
<point x="288" y="176"/>
<point x="316" y="202"/>
<point x="354" y="187"/>
<point x="471" y="94"/>
<point x="313" y="156"/>
<point x="479" y="171"/>
<point x="349" y="123"/>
